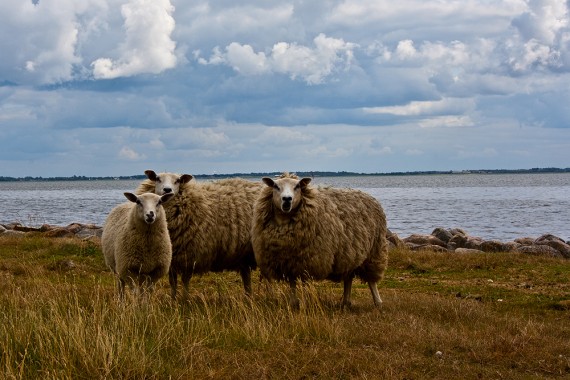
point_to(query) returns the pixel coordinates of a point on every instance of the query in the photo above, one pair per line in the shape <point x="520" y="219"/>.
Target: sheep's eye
<point x="158" y="179"/>
<point x="297" y="186"/>
<point x="139" y="202"/>
<point x="276" y="187"/>
<point x="177" y="181"/>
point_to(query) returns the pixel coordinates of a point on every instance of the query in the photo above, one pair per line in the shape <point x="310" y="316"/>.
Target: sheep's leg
<point x="294" y="299"/>
<point x="245" y="273"/>
<point x="173" y="281"/>
<point x="346" y="301"/>
<point x="186" y="276"/>
<point x="121" y="288"/>
<point x="375" y="294"/>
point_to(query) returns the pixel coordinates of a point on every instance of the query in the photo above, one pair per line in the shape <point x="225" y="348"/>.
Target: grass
<point x="445" y="316"/>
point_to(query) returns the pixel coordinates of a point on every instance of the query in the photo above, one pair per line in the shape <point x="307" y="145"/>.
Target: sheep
<point x="136" y="243"/>
<point x="210" y="229"/>
<point x="163" y="183"/>
<point x="300" y="232"/>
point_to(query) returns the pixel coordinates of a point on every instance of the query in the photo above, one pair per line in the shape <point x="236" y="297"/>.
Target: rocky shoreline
<point x="459" y="241"/>
<point x="440" y="240"/>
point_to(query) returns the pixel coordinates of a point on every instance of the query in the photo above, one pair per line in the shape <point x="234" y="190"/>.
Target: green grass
<point x="498" y="315"/>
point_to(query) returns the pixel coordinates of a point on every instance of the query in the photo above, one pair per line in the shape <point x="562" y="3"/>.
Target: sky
<point x="112" y="88"/>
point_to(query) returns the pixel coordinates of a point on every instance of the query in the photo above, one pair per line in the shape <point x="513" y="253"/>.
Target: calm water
<point x="492" y="206"/>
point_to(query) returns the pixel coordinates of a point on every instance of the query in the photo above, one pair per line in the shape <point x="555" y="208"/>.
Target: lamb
<point x="210" y="229"/>
<point x="136" y="243"/>
<point x="300" y="232"/>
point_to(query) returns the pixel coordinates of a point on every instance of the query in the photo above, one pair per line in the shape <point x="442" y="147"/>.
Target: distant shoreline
<point x="300" y="173"/>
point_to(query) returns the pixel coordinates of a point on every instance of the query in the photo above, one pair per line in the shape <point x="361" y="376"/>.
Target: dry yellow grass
<point x="445" y="316"/>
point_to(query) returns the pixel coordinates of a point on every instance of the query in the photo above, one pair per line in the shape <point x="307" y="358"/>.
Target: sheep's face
<point x="165" y="183"/>
<point x="149" y="205"/>
<point x="287" y="192"/>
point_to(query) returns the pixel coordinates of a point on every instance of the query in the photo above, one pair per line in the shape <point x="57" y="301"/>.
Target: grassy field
<point x="445" y="316"/>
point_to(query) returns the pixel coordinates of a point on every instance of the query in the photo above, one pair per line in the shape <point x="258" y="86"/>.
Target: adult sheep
<point x="136" y="243"/>
<point x="210" y="229"/>
<point x="301" y="232"/>
<point x="163" y="183"/>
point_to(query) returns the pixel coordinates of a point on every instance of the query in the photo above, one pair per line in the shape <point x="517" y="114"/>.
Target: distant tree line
<point x="300" y="174"/>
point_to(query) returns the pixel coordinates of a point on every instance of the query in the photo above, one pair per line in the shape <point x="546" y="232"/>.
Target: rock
<point x="458" y="231"/>
<point x="26" y="229"/>
<point x="442" y="234"/>
<point x="511" y="246"/>
<point x="424" y="239"/>
<point x="2" y="228"/>
<point x="467" y="250"/>
<point x="525" y="241"/>
<point x="426" y="247"/>
<point x="539" y="250"/>
<point x="461" y="241"/>
<point x="548" y="237"/>
<point x="561" y="247"/>
<point x="59" y="232"/>
<point x="13" y="233"/>
<point x="74" y="228"/>
<point x="89" y="232"/>
<point x="492" y="246"/>
<point x="554" y="242"/>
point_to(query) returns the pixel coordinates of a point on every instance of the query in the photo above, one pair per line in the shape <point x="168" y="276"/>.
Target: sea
<point x="492" y="206"/>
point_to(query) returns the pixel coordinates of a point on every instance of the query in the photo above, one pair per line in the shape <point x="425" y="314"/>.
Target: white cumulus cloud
<point x="130" y="154"/>
<point x="312" y="64"/>
<point x="148" y="47"/>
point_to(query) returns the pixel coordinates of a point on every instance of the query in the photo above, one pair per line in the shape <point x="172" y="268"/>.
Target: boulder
<point x="458" y="231"/>
<point x="13" y="233"/>
<point x="419" y="239"/>
<point x="442" y="234"/>
<point x="561" y="247"/>
<point x="426" y="247"/>
<point x="539" y="250"/>
<point x="25" y="229"/>
<point x="88" y="232"/>
<point x="467" y="250"/>
<point x="493" y="246"/>
<point x="59" y="232"/>
<point x="548" y="237"/>
<point x="462" y="241"/>
<point x="525" y="241"/>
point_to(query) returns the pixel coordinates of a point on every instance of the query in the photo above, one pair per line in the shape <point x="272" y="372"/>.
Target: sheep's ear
<point x="131" y="197"/>
<point x="304" y="182"/>
<point x="166" y="197"/>
<point x="185" y="178"/>
<point x="268" y="181"/>
<point x="150" y="174"/>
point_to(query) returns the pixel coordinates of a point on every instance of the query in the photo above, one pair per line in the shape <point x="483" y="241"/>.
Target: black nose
<point x="287" y="199"/>
<point x="167" y="190"/>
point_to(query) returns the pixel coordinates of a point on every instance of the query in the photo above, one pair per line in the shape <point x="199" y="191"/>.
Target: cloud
<point x="415" y="108"/>
<point x="281" y="136"/>
<point x="148" y="47"/>
<point x="273" y="85"/>
<point x="129" y="154"/>
<point x="314" y="65"/>
<point x="543" y="38"/>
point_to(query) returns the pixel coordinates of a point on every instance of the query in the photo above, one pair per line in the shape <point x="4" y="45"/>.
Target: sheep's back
<point x="146" y="186"/>
<point x="112" y="231"/>
<point x="335" y="232"/>
<point x="209" y="225"/>
<point x="363" y="244"/>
